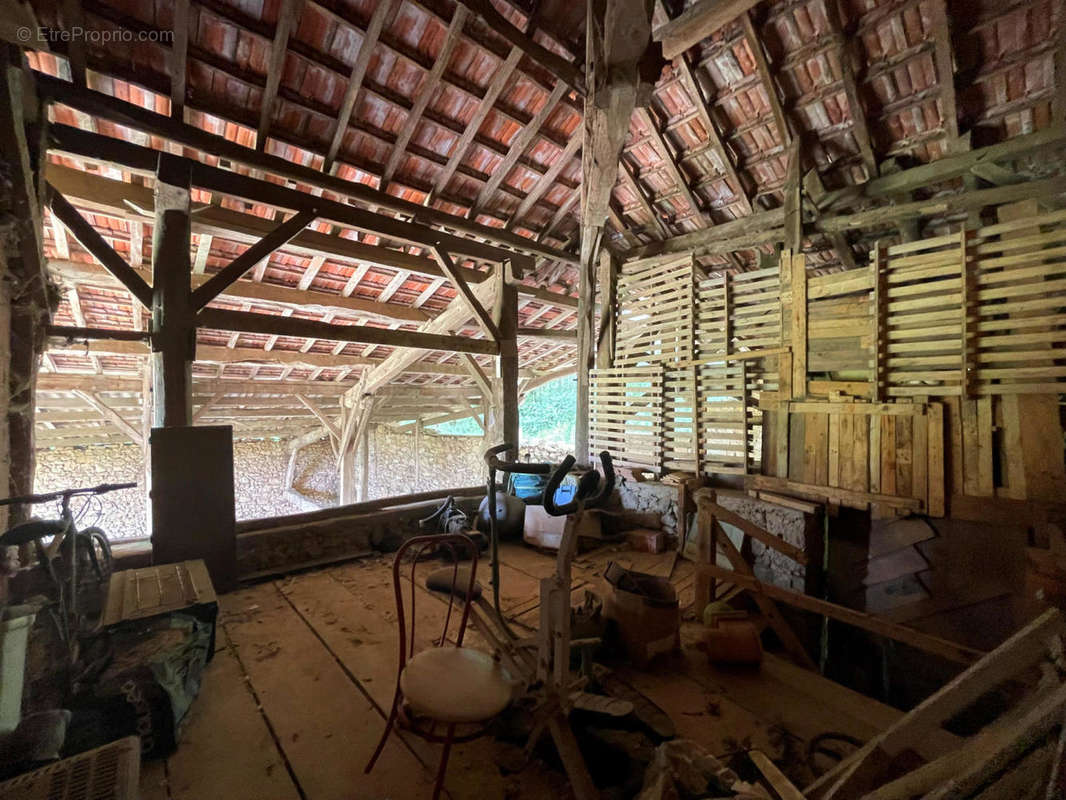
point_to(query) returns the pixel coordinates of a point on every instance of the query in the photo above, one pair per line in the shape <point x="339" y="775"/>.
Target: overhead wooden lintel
<point x="312" y="329"/>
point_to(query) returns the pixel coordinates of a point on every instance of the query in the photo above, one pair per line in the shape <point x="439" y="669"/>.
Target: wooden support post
<point x="799" y="325"/>
<point x="706" y="548"/>
<point x="745" y="402"/>
<point x="586" y="295"/>
<point x="24" y="307"/>
<point x="505" y="318"/>
<point x="878" y="379"/>
<point x="608" y="286"/>
<point x="418" y="454"/>
<point x="968" y="367"/>
<point x="364" y="465"/>
<point x="173" y="321"/>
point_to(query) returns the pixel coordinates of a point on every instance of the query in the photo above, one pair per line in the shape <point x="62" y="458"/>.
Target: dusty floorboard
<point x="294" y="701"/>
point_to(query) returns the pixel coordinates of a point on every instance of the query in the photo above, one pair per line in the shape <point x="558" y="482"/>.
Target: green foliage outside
<point x="546" y="414"/>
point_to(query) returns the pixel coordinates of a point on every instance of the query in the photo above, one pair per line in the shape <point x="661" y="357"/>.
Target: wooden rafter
<point x="729" y="170"/>
<point x="378" y="20"/>
<point x="426" y="90"/>
<point x="492" y="92"/>
<point x="288" y="14"/>
<point x="766" y="76"/>
<point x="518" y="146"/>
<point x="945" y="72"/>
<point x="637" y="189"/>
<point x="149" y="122"/>
<point x="554" y="63"/>
<point x="178" y="59"/>
<point x="859" y="127"/>
<point x="670" y="165"/>
<point x="546" y="180"/>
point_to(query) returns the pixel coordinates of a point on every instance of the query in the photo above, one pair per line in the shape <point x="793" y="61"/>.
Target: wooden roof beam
<point x="378" y="20"/>
<point x="232" y="272"/>
<point x="555" y="64"/>
<point x="426" y="90"/>
<point x="139" y="159"/>
<point x="288" y="15"/>
<point x="98" y="104"/>
<point x="519" y="145"/>
<point x="92" y="241"/>
<point x="110" y="415"/>
<point x="697" y="22"/>
<point x="465" y="295"/>
<point x="248" y="322"/>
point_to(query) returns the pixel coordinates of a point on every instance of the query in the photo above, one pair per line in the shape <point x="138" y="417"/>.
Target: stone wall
<point x="259" y="472"/>
<point x="654" y="505"/>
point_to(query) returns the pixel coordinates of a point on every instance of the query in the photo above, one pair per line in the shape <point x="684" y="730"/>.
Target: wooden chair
<point x="445" y="684"/>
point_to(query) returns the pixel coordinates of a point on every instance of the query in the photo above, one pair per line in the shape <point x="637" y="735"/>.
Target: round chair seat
<point x="455" y="684"/>
<point x="440" y="580"/>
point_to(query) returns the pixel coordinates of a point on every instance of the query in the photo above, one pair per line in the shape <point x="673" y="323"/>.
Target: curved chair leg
<point x="385" y="735"/>
<point x="448" y="739"/>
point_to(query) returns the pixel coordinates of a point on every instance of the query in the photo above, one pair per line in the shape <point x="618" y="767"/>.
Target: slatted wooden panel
<point x="655" y="314"/>
<point x="735" y="314"/>
<point x="920" y="304"/>
<point x="1020" y="287"/>
<point x="626" y="415"/>
<point x="655" y="326"/>
<point x="755" y="310"/>
<point x="726" y="418"/>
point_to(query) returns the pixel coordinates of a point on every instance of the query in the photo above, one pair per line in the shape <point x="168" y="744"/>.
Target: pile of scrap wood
<point x="995" y="731"/>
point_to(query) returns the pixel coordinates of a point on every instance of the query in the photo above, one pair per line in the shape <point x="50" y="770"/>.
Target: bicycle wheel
<point x="93" y="574"/>
<point x="99" y="550"/>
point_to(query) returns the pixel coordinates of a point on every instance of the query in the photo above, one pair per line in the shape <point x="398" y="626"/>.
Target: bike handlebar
<point x="588" y="484"/>
<point x="102" y="488"/>
<point x="523" y="467"/>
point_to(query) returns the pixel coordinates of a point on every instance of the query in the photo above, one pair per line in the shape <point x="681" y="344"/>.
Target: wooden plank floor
<point x="294" y="701"/>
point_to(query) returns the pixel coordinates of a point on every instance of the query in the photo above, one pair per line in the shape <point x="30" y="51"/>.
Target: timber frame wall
<point x="934" y="371"/>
